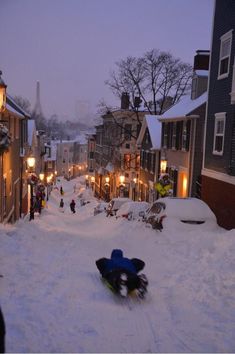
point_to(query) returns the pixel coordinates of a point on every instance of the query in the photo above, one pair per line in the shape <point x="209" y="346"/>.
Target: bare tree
<point x="23" y="103"/>
<point x="153" y="78"/>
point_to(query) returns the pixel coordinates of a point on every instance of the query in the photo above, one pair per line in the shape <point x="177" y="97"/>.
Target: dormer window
<point x="224" y="59"/>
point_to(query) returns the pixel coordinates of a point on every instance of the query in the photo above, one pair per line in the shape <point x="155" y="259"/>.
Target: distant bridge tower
<point x="37" y="113"/>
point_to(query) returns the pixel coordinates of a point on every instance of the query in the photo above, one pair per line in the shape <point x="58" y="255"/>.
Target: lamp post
<point x="107" y="185"/>
<point x="92" y="182"/>
<point x="122" y="185"/>
<point x="48" y="181"/>
<point x="134" y="188"/>
<point x="31" y="164"/>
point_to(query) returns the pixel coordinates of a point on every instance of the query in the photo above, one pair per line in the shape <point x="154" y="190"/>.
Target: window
<point x="137" y="162"/>
<point x="165" y="130"/>
<point x="219" y="132"/>
<point x="173" y="139"/>
<point x="224" y="59"/>
<point x="127" y="131"/>
<point x="186" y="135"/>
<point x="127" y="161"/>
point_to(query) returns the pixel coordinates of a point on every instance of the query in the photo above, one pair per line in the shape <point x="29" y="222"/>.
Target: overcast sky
<point x="71" y="46"/>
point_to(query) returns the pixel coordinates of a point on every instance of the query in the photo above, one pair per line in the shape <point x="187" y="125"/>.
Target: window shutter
<point x="188" y="125"/>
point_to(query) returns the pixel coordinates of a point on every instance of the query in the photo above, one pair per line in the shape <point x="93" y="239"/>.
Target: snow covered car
<point x="180" y="213"/>
<point x="115" y="204"/>
<point x="131" y="210"/>
<point x="100" y="208"/>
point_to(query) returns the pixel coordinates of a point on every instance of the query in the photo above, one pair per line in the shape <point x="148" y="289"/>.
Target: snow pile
<point x="53" y="300"/>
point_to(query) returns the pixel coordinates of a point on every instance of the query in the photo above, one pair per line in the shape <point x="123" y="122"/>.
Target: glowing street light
<point x="3" y="87"/>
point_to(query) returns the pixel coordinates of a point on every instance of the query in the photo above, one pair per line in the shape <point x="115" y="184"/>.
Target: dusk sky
<point x="71" y="46"/>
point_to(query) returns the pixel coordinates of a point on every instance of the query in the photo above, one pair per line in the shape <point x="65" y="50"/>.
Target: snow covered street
<point x="53" y="300"/>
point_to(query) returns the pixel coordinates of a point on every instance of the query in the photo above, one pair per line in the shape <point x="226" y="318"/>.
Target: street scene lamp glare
<point x="3" y="87"/>
<point x="122" y="179"/>
<point x="41" y="176"/>
<point x="31" y="161"/>
<point x="107" y="179"/>
<point x="163" y="166"/>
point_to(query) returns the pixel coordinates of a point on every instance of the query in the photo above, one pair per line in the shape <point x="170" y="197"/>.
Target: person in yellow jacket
<point x="163" y="186"/>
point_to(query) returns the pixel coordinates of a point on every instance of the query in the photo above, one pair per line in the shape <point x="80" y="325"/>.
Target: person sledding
<point x="72" y="206"/>
<point x="121" y="274"/>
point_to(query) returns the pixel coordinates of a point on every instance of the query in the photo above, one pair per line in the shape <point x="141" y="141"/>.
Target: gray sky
<point x="70" y="46"/>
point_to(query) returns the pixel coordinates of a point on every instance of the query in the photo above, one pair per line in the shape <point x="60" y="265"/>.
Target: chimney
<point x="201" y="60"/>
<point x="200" y="73"/>
<point x="125" y="100"/>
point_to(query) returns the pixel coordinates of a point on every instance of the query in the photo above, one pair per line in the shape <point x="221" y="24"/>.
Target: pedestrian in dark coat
<point x="61" y="203"/>
<point x="2" y="332"/>
<point x="72" y="206"/>
<point x="31" y="212"/>
<point x="61" y="191"/>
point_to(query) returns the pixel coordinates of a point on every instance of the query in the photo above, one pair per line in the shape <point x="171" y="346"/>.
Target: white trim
<point x="208" y="88"/>
<point x="232" y="93"/>
<point x="223" y="38"/>
<point x="218" y="176"/>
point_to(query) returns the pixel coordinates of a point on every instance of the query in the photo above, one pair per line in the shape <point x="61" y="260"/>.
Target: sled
<point x="124" y="291"/>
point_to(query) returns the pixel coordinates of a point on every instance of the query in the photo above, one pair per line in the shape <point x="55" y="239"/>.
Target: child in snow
<point x="121" y="273"/>
<point x="72" y="206"/>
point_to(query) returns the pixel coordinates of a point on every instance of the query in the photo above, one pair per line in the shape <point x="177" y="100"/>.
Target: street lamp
<point x="121" y="185"/>
<point x="163" y="165"/>
<point x="41" y="176"/>
<point x="122" y="179"/>
<point x="134" y="188"/>
<point x="48" y="181"/>
<point x="31" y="164"/>
<point x="3" y="87"/>
<point x="107" y="185"/>
<point x="92" y="182"/>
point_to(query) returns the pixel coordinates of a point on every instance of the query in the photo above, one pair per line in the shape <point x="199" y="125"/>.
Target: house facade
<point x="183" y="133"/>
<point x="218" y="173"/>
<point x="149" y="143"/>
<point x="117" y="158"/>
<point x="13" y="143"/>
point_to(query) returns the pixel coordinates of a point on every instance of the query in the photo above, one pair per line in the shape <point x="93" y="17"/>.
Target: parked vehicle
<point x="100" y="208"/>
<point x="131" y="210"/>
<point x="115" y="204"/>
<point x="171" y="213"/>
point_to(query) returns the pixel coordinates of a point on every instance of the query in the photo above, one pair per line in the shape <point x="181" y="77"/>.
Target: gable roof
<point x="13" y="107"/>
<point x="155" y="130"/>
<point x="184" y="107"/>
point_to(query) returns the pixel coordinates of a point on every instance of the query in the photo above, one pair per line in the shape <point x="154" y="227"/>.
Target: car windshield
<point x="156" y="208"/>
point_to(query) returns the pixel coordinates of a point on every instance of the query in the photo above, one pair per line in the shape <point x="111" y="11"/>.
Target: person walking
<point x="72" y="206"/>
<point x="61" y="191"/>
<point x="61" y="205"/>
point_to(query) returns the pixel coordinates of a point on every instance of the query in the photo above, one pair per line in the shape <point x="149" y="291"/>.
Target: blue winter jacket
<point x="117" y="261"/>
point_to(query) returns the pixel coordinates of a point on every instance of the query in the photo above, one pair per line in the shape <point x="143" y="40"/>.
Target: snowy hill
<point x="53" y="300"/>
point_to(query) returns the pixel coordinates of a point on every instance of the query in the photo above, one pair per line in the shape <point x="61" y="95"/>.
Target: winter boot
<point x="123" y="289"/>
<point x="142" y="287"/>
